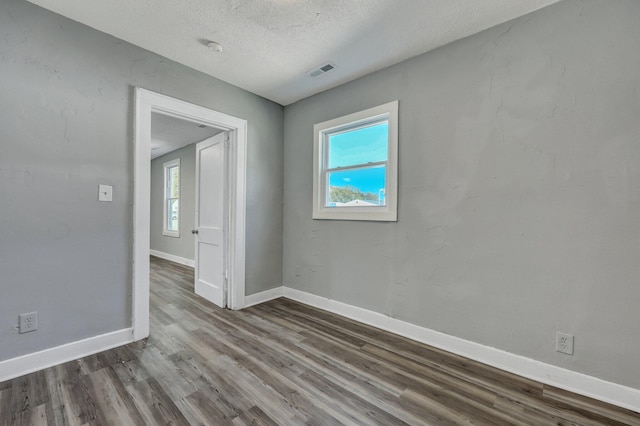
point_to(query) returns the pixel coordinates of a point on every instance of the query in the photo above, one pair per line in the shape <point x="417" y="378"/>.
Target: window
<point x="355" y="170"/>
<point x="171" y="206"/>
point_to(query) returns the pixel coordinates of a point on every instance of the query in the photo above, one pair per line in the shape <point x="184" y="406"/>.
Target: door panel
<point x="210" y="219"/>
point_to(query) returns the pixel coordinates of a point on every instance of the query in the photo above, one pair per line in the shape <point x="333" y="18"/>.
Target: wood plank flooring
<point x="281" y="363"/>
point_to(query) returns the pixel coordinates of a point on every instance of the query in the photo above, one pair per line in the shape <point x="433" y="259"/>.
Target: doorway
<point x="146" y="103"/>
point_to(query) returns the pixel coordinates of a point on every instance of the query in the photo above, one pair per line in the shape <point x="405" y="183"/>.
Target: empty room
<point x="287" y="212"/>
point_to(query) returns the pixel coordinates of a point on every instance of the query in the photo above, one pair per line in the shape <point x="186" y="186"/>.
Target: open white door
<point x="210" y="222"/>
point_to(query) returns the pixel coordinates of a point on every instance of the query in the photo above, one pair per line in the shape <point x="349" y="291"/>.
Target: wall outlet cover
<point x="28" y="322"/>
<point x="564" y="343"/>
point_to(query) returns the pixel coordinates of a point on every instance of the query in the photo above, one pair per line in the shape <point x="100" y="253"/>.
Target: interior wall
<point x="519" y="191"/>
<point x="184" y="245"/>
<point x="66" y="126"/>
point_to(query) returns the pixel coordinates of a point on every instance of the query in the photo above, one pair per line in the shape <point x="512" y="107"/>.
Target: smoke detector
<point x="322" y="69"/>
<point x="215" y="47"/>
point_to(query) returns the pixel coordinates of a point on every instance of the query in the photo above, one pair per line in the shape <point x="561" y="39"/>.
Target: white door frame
<point x="147" y="102"/>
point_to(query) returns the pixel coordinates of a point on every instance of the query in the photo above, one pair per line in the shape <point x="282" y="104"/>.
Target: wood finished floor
<point x="280" y="363"/>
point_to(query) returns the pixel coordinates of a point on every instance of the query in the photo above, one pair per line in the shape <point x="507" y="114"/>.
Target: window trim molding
<point x="165" y="168"/>
<point x="388" y="212"/>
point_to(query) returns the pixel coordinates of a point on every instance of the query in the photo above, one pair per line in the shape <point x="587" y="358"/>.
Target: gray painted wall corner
<point x="519" y="195"/>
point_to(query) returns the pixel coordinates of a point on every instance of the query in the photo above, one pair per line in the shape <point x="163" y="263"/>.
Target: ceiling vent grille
<point x="322" y="69"/>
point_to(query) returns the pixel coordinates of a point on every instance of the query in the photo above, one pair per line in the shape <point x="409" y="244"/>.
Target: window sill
<point x="374" y="214"/>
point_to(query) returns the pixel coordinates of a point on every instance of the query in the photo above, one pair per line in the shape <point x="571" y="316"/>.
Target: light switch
<point x="105" y="193"/>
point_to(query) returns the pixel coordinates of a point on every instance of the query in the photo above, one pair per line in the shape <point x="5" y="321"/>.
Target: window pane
<point x="173" y="190"/>
<point x="173" y="215"/>
<point x="361" y="146"/>
<point x="357" y="187"/>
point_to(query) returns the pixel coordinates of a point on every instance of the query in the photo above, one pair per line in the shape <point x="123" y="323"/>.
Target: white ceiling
<point x="169" y="133"/>
<point x="270" y="45"/>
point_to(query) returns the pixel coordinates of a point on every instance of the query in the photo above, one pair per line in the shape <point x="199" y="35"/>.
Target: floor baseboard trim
<point x="263" y="296"/>
<point x="25" y="364"/>
<point x="173" y="258"/>
<point x="579" y="383"/>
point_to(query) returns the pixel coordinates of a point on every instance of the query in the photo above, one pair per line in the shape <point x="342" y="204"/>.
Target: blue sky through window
<point x="371" y="179"/>
<point x="361" y="146"/>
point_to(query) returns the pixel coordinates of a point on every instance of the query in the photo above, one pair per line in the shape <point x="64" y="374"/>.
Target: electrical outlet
<point x="564" y="343"/>
<point x="28" y="322"/>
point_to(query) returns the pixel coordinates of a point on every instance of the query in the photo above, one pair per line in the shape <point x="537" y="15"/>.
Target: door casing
<point x="147" y="102"/>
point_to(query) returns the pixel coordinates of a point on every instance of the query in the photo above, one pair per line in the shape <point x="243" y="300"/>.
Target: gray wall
<point x="519" y="194"/>
<point x="66" y="125"/>
<point x="182" y="246"/>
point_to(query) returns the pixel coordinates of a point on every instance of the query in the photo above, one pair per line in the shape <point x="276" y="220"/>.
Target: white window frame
<point x="165" y="200"/>
<point x="321" y="132"/>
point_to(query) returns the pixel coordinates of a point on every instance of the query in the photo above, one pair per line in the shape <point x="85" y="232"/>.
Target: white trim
<point x="237" y="173"/>
<point x="173" y="258"/>
<point x="389" y="212"/>
<point x="572" y="381"/>
<point x="263" y="296"/>
<point x="36" y="361"/>
<point x="147" y="102"/>
<point x="165" y="169"/>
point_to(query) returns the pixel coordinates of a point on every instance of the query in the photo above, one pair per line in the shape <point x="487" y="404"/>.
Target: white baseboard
<point x="263" y="296"/>
<point x="579" y="383"/>
<point x="173" y="258"/>
<point x="36" y="361"/>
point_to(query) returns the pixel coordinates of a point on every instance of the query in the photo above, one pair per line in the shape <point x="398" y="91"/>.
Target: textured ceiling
<point x="270" y="45"/>
<point x="169" y="133"/>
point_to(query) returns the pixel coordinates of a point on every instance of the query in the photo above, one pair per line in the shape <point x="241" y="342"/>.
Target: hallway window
<point x="172" y="198"/>
<point x="355" y="166"/>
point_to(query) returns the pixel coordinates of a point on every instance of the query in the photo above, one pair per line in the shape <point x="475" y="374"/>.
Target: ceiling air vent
<point x="322" y="69"/>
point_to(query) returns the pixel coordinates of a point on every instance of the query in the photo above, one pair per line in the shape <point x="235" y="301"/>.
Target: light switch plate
<point x="105" y="193"/>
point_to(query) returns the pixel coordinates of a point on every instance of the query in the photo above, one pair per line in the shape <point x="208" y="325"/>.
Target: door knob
<point x="194" y="231"/>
